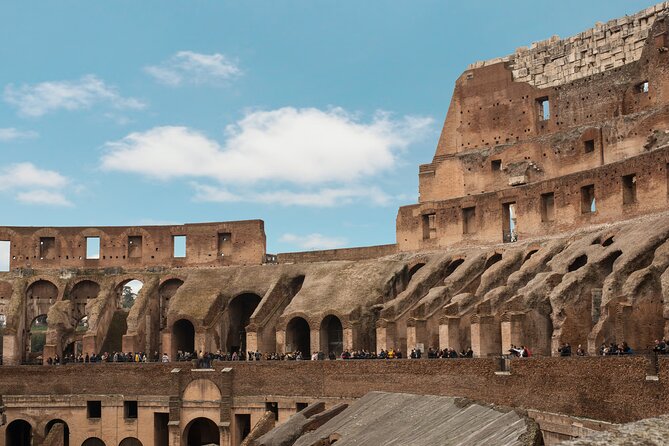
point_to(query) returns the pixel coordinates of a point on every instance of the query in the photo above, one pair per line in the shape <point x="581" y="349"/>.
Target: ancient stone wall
<point x="362" y="253"/>
<point x="206" y="244"/>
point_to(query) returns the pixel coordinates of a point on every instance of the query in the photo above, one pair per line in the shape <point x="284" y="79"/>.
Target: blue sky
<point x="310" y="115"/>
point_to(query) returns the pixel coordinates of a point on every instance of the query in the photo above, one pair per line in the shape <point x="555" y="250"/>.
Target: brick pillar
<point x="226" y="437"/>
<point x="129" y="343"/>
<point x="90" y="344"/>
<point x="416" y="335"/>
<point x="281" y="341"/>
<point x="386" y="335"/>
<point x="174" y="432"/>
<point x="350" y="337"/>
<point x="50" y="351"/>
<point x="166" y="345"/>
<point x="485" y="334"/>
<point x="315" y="341"/>
<point x="449" y="333"/>
<point x="252" y="339"/>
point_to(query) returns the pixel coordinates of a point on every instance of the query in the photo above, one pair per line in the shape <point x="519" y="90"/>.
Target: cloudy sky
<point x="310" y="115"/>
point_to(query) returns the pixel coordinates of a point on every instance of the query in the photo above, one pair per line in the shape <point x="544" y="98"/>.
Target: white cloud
<point x="41" y="196"/>
<point x="295" y="146"/>
<point x="194" y="68"/>
<point x="12" y="134"/>
<point x="327" y="197"/>
<point x="38" y="99"/>
<point x="313" y="241"/>
<point x="33" y="185"/>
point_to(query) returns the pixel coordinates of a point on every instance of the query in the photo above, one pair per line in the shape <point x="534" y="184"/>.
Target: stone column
<point x="90" y="344"/>
<point x="226" y="437"/>
<point x="174" y="432"/>
<point x="512" y="330"/>
<point x="485" y="334"/>
<point x="281" y="341"/>
<point x="350" y="337"/>
<point x="386" y="333"/>
<point x="129" y="343"/>
<point x="315" y="341"/>
<point x="252" y="339"/>
<point x="166" y="344"/>
<point x="449" y="333"/>
<point x="416" y="334"/>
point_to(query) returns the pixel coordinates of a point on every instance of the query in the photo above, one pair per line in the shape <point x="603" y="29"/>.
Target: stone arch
<point x="81" y="293"/>
<point x="492" y="259"/>
<point x="66" y="430"/>
<point x="136" y="283"/>
<point x="332" y="335"/>
<point x="166" y="291"/>
<point x="298" y="336"/>
<point x="40" y="295"/>
<point x="36" y="336"/>
<point x="93" y="441"/>
<point x="237" y="316"/>
<point x="130" y="441"/>
<point x="18" y="433"/>
<point x="183" y="336"/>
<point x="201" y="431"/>
<point x="201" y="390"/>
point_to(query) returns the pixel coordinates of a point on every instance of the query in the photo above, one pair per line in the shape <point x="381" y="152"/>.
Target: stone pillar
<point x="50" y="351"/>
<point x="416" y="335"/>
<point x="315" y="341"/>
<point x="12" y="349"/>
<point x="174" y="432"/>
<point x="252" y="340"/>
<point x="200" y="340"/>
<point x="449" y="333"/>
<point x="226" y="437"/>
<point x="512" y="330"/>
<point x="485" y="334"/>
<point x="386" y="333"/>
<point x="129" y="343"/>
<point x="350" y="337"/>
<point x="90" y="344"/>
<point x="281" y="341"/>
<point x="166" y="344"/>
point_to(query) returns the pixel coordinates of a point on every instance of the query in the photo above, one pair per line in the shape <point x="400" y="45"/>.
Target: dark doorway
<point x="298" y="337"/>
<point x="202" y="431"/>
<point x="18" y="433"/>
<point x="93" y="441"/>
<point x="130" y="441"/>
<point x="160" y="429"/>
<point x="239" y="315"/>
<point x="184" y="336"/>
<point x="66" y="430"/>
<point x="242" y="428"/>
<point x="332" y="335"/>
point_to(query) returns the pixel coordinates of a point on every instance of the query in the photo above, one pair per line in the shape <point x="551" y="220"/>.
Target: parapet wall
<point x="558" y="61"/>
<point x="362" y="253"/>
<point x="206" y="244"/>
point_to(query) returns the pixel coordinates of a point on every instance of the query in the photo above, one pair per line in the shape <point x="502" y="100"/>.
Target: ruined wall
<point x="207" y="244"/>
<point x="361" y="253"/>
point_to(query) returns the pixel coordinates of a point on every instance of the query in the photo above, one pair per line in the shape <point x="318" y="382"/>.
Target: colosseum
<point x="541" y="221"/>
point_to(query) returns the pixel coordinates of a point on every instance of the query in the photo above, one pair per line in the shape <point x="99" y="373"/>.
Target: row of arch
<point x="200" y="431"/>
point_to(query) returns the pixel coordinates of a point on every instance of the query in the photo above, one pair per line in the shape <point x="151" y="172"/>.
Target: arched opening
<point x="183" y="335"/>
<point x="81" y="293"/>
<point x="239" y="312"/>
<point x="530" y="254"/>
<point x="578" y="262"/>
<point x="130" y="441"/>
<point x="414" y="269"/>
<point x="332" y="335"/>
<point x="37" y="335"/>
<point x="126" y="294"/>
<point x="201" y="431"/>
<point x="18" y="433"/>
<point x="298" y="337"/>
<point x="607" y="263"/>
<point x="492" y="260"/>
<point x="66" y="430"/>
<point x="453" y="266"/>
<point x="608" y="241"/>
<point x="93" y="441"/>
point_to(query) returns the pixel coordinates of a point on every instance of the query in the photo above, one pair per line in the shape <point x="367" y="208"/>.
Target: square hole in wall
<point x="93" y="248"/>
<point x="544" y="108"/>
<point x="429" y="226"/>
<point x="548" y="207"/>
<point x="642" y="87"/>
<point x="589" y="145"/>
<point x="224" y="244"/>
<point x="629" y="189"/>
<point x="94" y="409"/>
<point x="588" y="205"/>
<point x="129" y="409"/>
<point x="469" y="220"/>
<point x="179" y="245"/>
<point x="47" y="248"/>
<point x="5" y="255"/>
<point x="496" y="165"/>
<point x="134" y="246"/>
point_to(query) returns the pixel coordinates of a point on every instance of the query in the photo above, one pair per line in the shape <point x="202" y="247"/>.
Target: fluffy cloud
<point x="328" y="156"/>
<point x="32" y="185"/>
<point x="313" y="241"/>
<point x="39" y="99"/>
<point x="12" y="134"/>
<point x="194" y="68"/>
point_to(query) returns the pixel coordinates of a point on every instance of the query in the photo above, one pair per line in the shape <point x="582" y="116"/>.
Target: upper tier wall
<point x="207" y="244"/>
<point x="558" y="61"/>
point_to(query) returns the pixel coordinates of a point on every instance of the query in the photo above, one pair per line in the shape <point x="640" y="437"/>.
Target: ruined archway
<point x="130" y="441"/>
<point x="40" y="295"/>
<point x="298" y="337"/>
<point x="66" y="430"/>
<point x="18" y="433"/>
<point x="183" y="335"/>
<point x="93" y="441"/>
<point x="36" y="336"/>
<point x="332" y="335"/>
<point x="238" y="315"/>
<point x="166" y="291"/>
<point x="201" y="431"/>
<point x="81" y="293"/>
<point x="126" y="294"/>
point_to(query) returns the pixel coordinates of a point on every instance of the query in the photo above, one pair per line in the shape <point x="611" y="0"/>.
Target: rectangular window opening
<point x="301" y="406"/>
<point x="93" y="248"/>
<point x="496" y="165"/>
<point x="589" y="145"/>
<point x="94" y="409"/>
<point x="179" y="244"/>
<point x="47" y="248"/>
<point x="509" y="234"/>
<point x="274" y="408"/>
<point x="161" y="429"/>
<point x="5" y="253"/>
<point x="548" y="207"/>
<point x="588" y="205"/>
<point x="642" y="87"/>
<point x="429" y="226"/>
<point x="224" y="244"/>
<point x="469" y="220"/>
<point x="134" y="246"/>
<point x="629" y="189"/>
<point x="130" y="409"/>
<point x="544" y="108"/>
